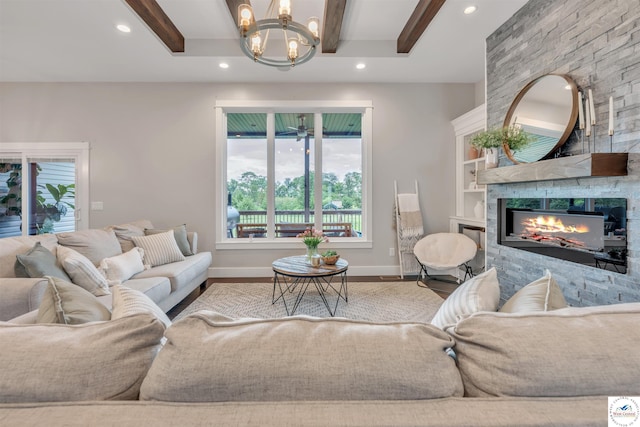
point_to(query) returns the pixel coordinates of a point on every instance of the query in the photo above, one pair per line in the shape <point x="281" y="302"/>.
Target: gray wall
<point x="597" y="43"/>
<point x="153" y="150"/>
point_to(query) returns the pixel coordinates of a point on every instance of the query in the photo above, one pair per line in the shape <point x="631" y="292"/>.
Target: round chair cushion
<point x="442" y="251"/>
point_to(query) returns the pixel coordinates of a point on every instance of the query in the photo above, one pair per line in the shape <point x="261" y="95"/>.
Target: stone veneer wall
<point x="597" y="43"/>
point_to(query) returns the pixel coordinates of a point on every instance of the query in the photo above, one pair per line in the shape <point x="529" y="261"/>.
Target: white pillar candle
<point x="580" y="111"/>
<point x="611" y="115"/>
<point x="587" y="130"/>
<point x="592" y="108"/>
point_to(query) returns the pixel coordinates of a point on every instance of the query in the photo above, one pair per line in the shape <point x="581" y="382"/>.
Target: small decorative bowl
<point x="330" y="260"/>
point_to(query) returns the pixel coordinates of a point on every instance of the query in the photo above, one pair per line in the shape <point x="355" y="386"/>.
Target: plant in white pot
<point x="491" y="140"/>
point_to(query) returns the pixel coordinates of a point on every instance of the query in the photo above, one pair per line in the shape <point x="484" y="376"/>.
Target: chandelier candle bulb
<point x="293" y="50"/>
<point x="592" y="109"/>
<point x="313" y="24"/>
<point x="245" y="15"/>
<point x="580" y="111"/>
<point x="611" y="115"/>
<point x="285" y="8"/>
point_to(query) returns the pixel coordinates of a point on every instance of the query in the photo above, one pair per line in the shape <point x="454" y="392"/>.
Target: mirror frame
<point x="570" y="125"/>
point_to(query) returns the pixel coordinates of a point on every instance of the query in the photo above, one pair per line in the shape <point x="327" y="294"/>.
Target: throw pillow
<point x="95" y="244"/>
<point x="38" y="262"/>
<point x="119" y="268"/>
<point x="159" y="248"/>
<point x="66" y="303"/>
<point x="82" y="271"/>
<point x="65" y="363"/>
<point x="543" y="294"/>
<point x="180" y="233"/>
<point x="480" y="293"/>
<point x="124" y="232"/>
<point x="209" y="361"/>
<point x="127" y="302"/>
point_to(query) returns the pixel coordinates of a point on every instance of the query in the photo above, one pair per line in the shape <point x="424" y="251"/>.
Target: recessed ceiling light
<point x="469" y="10"/>
<point x="123" y="28"/>
<point x="568" y="87"/>
<point x="361" y="66"/>
<point x="223" y="65"/>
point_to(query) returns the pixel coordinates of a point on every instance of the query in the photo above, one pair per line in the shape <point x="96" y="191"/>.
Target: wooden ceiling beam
<point x="332" y="24"/>
<point x="418" y="22"/>
<point x="153" y="15"/>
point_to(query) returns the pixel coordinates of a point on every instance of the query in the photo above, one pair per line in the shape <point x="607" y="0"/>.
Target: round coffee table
<point x="296" y="273"/>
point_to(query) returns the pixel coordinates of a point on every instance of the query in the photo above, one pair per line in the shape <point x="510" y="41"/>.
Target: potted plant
<point x="491" y="140"/>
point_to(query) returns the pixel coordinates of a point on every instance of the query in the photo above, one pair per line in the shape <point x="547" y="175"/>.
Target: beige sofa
<point x="554" y="368"/>
<point x="166" y="284"/>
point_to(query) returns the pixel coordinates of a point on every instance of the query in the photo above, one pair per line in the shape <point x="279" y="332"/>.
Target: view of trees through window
<point x="293" y="168"/>
<point x="51" y="197"/>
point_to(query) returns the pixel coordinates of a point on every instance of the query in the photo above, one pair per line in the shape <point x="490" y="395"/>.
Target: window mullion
<point x="26" y="207"/>
<point x="271" y="175"/>
<point x="317" y="183"/>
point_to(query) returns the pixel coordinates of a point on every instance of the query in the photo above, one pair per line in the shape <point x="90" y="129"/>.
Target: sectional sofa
<point x="174" y="271"/>
<point x="533" y="364"/>
<point x="542" y="369"/>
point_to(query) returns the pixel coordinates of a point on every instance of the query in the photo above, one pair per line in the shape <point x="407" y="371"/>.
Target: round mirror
<point x="547" y="109"/>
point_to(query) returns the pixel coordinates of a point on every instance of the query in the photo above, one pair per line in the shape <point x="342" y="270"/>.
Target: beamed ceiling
<point x="157" y="20"/>
<point x="399" y="41"/>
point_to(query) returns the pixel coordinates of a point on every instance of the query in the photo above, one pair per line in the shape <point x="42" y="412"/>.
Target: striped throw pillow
<point x="82" y="271"/>
<point x="480" y="293"/>
<point x="127" y="302"/>
<point x="159" y="249"/>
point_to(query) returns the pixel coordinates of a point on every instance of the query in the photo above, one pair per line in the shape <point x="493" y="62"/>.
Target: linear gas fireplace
<point x="586" y="231"/>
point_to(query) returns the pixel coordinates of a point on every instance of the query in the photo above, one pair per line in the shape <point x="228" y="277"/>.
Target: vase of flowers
<point x="311" y="239"/>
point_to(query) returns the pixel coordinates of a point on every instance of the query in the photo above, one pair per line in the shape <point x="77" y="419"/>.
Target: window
<point x="289" y="166"/>
<point x="42" y="188"/>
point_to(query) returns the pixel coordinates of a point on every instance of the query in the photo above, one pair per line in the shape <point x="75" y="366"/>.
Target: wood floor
<point x="443" y="289"/>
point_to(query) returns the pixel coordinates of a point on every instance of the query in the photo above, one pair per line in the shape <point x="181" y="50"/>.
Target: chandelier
<point x="300" y="41"/>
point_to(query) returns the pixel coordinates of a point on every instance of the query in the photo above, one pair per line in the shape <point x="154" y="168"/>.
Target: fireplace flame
<point x="551" y="224"/>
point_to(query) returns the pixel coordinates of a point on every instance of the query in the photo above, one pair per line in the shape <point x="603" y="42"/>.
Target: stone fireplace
<point x="593" y="45"/>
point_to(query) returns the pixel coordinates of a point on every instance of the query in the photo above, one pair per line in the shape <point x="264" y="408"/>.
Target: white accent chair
<point x="444" y="251"/>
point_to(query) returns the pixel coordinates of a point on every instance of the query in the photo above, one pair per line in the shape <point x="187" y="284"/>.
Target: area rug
<point x="370" y="301"/>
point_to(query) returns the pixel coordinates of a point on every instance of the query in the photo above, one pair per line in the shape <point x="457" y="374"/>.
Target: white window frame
<point x="223" y="107"/>
<point x="78" y="151"/>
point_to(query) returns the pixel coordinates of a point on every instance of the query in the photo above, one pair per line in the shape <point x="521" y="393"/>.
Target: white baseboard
<point x="230" y="272"/>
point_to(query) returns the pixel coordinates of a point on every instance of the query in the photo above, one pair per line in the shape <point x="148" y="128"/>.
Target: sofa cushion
<point x="69" y="304"/>
<point x="12" y="246"/>
<point x="543" y="294"/>
<point x="121" y="267"/>
<point x="95" y="244"/>
<point x="180" y="234"/>
<point x="566" y="352"/>
<point x="182" y="273"/>
<point x="39" y="262"/>
<point x="156" y="288"/>
<point x="124" y="232"/>
<point x="300" y="358"/>
<point x="159" y="249"/>
<point x="93" y="361"/>
<point x="82" y="271"/>
<point x="480" y="293"/>
<point x="127" y="301"/>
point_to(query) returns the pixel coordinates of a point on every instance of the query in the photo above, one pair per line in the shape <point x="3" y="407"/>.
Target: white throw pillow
<point x="127" y="302"/>
<point x="543" y="294"/>
<point x="480" y="293"/>
<point x="82" y="271"/>
<point x="119" y="268"/>
<point x="159" y="249"/>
